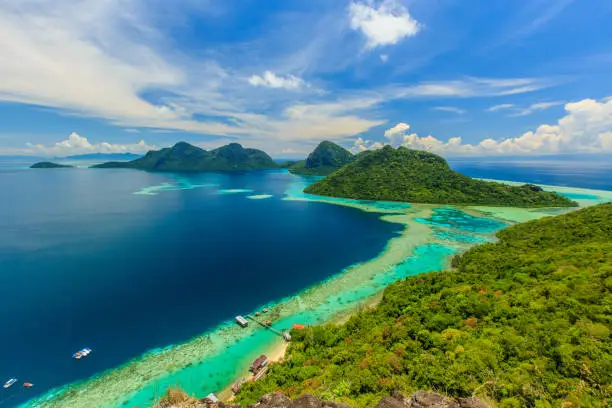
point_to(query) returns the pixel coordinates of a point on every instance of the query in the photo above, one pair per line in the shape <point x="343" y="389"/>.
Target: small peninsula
<point x="183" y="157"/>
<point x="50" y="165"/>
<point x="326" y="158"/>
<point x="416" y="176"/>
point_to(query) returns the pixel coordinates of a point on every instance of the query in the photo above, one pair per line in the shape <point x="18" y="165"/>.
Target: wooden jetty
<point x="267" y="326"/>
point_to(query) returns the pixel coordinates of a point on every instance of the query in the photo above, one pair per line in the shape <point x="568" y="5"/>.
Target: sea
<point x="135" y="264"/>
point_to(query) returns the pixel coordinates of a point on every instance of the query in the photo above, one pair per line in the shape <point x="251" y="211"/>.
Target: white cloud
<point x="518" y="111"/>
<point x="384" y="58"/>
<point x="473" y="87"/>
<point x="500" y="107"/>
<point x="536" y="107"/>
<point x="270" y="80"/>
<point x="451" y="109"/>
<point x="586" y="127"/>
<point x="361" y="145"/>
<point x="385" y="24"/>
<point x="110" y="53"/>
<point x="76" y="144"/>
<point x="396" y="130"/>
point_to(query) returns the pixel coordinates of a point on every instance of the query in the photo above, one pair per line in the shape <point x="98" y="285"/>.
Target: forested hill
<point x="525" y="321"/>
<point x="326" y="158"/>
<point x="185" y="157"/>
<point x="421" y="177"/>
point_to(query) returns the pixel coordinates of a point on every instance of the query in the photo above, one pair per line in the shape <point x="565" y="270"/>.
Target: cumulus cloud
<point x="382" y="23"/>
<point x="270" y="80"/>
<point x="586" y="127"/>
<point x="451" y="109"/>
<point x="76" y="144"/>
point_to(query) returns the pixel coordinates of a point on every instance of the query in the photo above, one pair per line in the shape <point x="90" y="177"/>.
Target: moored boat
<point x="242" y="321"/>
<point x="9" y="383"/>
<point x="28" y="385"/>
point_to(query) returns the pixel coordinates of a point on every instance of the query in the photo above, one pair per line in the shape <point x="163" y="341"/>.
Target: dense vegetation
<point x="185" y="157"/>
<point x="525" y="321"/>
<point x="420" y="177"/>
<point x="325" y="159"/>
<point x="49" y="165"/>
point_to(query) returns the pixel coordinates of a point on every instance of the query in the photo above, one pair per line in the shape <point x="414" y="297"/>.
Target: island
<point x="49" y="165"/>
<point x="523" y="322"/>
<point x="326" y="158"/>
<point x="416" y="176"/>
<point x="183" y="157"/>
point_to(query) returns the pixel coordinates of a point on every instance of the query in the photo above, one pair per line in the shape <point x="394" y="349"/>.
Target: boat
<point x="28" y="385"/>
<point x="242" y="321"/>
<point x="81" y="353"/>
<point x="9" y="383"/>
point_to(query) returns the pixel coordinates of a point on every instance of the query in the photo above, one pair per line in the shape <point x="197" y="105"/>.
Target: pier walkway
<point x="272" y="329"/>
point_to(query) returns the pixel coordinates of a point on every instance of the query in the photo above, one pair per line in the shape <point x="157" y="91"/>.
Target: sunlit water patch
<point x="234" y="191"/>
<point x="260" y="196"/>
<point x="179" y="184"/>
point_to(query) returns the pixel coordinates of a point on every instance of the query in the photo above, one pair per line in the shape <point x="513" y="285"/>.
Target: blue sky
<point x="456" y="77"/>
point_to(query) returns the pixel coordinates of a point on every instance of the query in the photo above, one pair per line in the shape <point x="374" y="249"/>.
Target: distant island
<point x="185" y="157"/>
<point x="325" y="159"/>
<point x="49" y="165"/>
<point x="416" y="176"/>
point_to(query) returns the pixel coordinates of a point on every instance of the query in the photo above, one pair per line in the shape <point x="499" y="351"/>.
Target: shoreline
<point x="278" y="351"/>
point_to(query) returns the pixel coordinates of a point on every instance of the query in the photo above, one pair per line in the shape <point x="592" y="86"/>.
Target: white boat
<point x="242" y="321"/>
<point x="9" y="383"/>
<point x="81" y="353"/>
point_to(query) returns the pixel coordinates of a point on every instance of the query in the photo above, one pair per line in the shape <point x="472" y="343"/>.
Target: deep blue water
<point x="595" y="174"/>
<point x="86" y="262"/>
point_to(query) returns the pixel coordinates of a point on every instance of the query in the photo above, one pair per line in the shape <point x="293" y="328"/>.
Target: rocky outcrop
<point x="420" y="399"/>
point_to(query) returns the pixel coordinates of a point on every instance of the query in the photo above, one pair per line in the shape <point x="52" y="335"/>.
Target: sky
<point x="456" y="77"/>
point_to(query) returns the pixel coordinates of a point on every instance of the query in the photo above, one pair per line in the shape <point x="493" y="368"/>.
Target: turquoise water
<point x="580" y="196"/>
<point x="452" y="218"/>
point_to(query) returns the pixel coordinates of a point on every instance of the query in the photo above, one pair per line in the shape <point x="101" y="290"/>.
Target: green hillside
<point x="525" y="321"/>
<point x="185" y="157"/>
<point x="325" y="159"/>
<point x="420" y="177"/>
